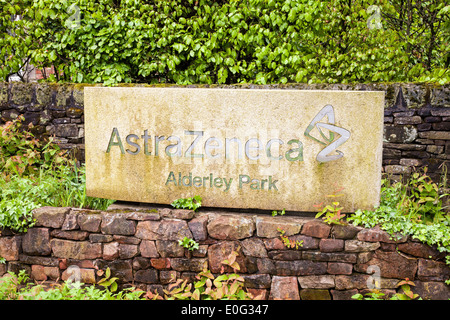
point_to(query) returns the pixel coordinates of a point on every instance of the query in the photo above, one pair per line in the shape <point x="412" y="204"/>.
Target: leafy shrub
<point x="35" y="173"/>
<point x="210" y="41"/>
<point x="23" y="154"/>
<point x="406" y="209"/>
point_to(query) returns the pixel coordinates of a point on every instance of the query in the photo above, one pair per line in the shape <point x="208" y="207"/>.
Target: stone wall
<point x="417" y="118"/>
<point x="140" y="246"/>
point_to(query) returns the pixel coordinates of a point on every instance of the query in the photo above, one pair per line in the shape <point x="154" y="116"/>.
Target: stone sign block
<point x="236" y="148"/>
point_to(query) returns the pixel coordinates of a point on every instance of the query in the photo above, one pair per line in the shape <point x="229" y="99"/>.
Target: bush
<point x="35" y="173"/>
<point x="414" y="209"/>
<point x="218" y="41"/>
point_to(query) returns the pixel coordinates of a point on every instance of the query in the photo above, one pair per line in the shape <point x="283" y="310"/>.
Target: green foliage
<point x="406" y="209"/>
<point x="209" y="41"/>
<point x="108" y="281"/>
<point x="331" y="211"/>
<point x="405" y="294"/>
<point x="276" y="213"/>
<point x="22" y="154"/>
<point x="188" y="243"/>
<point x="223" y="287"/>
<point x="18" y="287"/>
<point x="288" y="243"/>
<point x="35" y="173"/>
<point x="188" y="203"/>
<point x="209" y="287"/>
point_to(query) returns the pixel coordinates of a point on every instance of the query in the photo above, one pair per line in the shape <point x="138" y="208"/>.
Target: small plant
<point x="188" y="203"/>
<point x="333" y="213"/>
<point x="406" y="294"/>
<point x="208" y="287"/>
<point x="107" y="281"/>
<point x="375" y="295"/>
<point x="23" y="154"/>
<point x="188" y="243"/>
<point x="422" y="200"/>
<point x="276" y="213"/>
<point x="291" y="244"/>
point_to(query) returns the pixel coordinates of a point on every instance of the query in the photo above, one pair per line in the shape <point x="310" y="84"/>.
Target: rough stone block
<point x="420" y="250"/>
<point x="360" y="246"/>
<point x="51" y="217"/>
<point x="21" y="93"/>
<point x="147" y="249"/>
<point x="284" y="288"/>
<point x="111" y="251"/>
<point x="331" y="245"/>
<point x="435" y="135"/>
<point x="66" y="130"/>
<point x="432" y="290"/>
<point x="169" y="248"/>
<point x="127" y="251"/>
<point x="70" y="235"/>
<point x="330" y="256"/>
<point x="300" y="268"/>
<point x="36" y="242"/>
<point x="116" y="223"/>
<point x="314" y="294"/>
<point x="339" y="268"/>
<point x="316" y="229"/>
<point x="76" y="249"/>
<point x="160" y="263"/>
<point x="317" y="282"/>
<point x="185" y="264"/>
<point x="226" y="227"/>
<point x="89" y="221"/>
<point x="70" y="222"/>
<point x="81" y="274"/>
<point x="146" y="276"/>
<point x="344" y="231"/>
<point x="119" y="268"/>
<point x="169" y="229"/>
<point x="392" y="265"/>
<point x="286" y="255"/>
<point x="198" y="227"/>
<point x="376" y="234"/>
<point x="254" y="247"/>
<point x="220" y="252"/>
<point x="431" y="270"/>
<point x="307" y="242"/>
<point x="10" y="248"/>
<point x="355" y="281"/>
<point x="400" y="133"/>
<point x="257" y="281"/>
<point x="267" y="227"/>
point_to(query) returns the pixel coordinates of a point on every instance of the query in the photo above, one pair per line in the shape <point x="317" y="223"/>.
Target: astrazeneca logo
<point x="330" y="143"/>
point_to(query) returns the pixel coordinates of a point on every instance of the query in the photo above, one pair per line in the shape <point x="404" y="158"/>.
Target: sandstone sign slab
<point x="236" y="148"/>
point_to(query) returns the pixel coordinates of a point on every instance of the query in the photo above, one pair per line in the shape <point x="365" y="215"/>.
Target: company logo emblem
<point x="329" y="141"/>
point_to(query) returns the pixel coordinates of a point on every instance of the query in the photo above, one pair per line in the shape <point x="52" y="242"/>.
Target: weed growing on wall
<point x="188" y="203"/>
